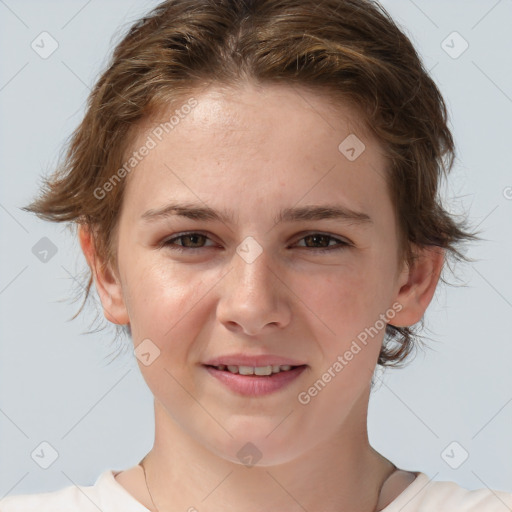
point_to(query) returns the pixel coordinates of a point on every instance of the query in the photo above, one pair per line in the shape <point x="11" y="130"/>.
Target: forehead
<point x="283" y="141"/>
<point x="227" y="111"/>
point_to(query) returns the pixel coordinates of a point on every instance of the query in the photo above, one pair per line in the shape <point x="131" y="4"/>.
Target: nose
<point x="254" y="296"/>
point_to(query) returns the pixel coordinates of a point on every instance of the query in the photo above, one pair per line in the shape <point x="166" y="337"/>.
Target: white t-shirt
<point x="108" y="495"/>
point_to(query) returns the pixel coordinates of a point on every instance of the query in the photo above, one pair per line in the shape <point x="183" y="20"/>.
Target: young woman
<point x="255" y="189"/>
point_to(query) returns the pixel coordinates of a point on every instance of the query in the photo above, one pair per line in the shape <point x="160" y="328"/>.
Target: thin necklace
<point x="147" y="486"/>
<point x="141" y="463"/>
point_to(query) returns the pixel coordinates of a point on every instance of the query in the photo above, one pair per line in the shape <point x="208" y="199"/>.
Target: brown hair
<point x="349" y="50"/>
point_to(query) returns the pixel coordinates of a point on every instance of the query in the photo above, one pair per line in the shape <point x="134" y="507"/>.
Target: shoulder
<point x="105" y="495"/>
<point x="425" y="495"/>
<point x="47" y="501"/>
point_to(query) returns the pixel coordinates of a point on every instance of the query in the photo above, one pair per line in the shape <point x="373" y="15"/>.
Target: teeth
<point x="263" y="370"/>
<point x="258" y="370"/>
<point x="246" y="370"/>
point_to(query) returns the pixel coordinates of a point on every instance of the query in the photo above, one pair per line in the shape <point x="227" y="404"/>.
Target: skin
<point x="256" y="150"/>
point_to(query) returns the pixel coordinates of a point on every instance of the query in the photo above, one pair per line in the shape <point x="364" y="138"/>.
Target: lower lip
<point x="256" y="385"/>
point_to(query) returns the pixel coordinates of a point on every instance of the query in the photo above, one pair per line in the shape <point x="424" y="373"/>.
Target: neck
<point x="342" y="473"/>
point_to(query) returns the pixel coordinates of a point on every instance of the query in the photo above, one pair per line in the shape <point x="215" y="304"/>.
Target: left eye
<point x="195" y="240"/>
<point x="324" y="239"/>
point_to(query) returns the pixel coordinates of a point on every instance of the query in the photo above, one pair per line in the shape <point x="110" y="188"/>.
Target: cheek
<point x="159" y="297"/>
<point x="344" y="300"/>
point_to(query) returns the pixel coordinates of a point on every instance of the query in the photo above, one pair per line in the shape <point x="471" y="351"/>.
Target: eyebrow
<point x="295" y="214"/>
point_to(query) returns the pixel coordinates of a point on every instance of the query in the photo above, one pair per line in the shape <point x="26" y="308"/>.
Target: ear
<point x="107" y="283"/>
<point x="417" y="285"/>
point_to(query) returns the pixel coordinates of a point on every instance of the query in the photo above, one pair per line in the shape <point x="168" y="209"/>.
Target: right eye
<point x="190" y="241"/>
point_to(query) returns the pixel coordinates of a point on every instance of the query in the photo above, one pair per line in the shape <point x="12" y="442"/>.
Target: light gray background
<point x="55" y="385"/>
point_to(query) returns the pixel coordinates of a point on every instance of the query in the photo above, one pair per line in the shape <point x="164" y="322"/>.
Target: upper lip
<point x="246" y="360"/>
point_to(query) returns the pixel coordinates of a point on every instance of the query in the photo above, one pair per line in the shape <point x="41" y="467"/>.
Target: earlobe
<point x="418" y="285"/>
<point x="106" y="282"/>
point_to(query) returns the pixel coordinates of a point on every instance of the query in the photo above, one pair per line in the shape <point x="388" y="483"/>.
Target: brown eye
<point x="318" y="239"/>
<point x="188" y="241"/>
<point x="322" y="242"/>
<point x="194" y="239"/>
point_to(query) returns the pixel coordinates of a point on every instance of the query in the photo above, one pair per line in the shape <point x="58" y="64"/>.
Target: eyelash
<point x="169" y="242"/>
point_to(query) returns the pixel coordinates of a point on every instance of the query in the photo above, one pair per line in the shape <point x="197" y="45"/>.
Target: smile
<point x="255" y="370"/>
<point x="255" y="380"/>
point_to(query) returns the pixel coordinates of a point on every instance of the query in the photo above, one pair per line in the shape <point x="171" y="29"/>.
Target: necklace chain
<point x="141" y="463"/>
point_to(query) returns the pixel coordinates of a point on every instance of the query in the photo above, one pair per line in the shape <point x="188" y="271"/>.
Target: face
<point x="284" y="249"/>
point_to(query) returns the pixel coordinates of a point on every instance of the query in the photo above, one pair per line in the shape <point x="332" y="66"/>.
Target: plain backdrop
<point x="448" y="414"/>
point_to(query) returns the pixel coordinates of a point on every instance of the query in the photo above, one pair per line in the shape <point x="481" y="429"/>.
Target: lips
<point x="253" y="385"/>
<point x="257" y="361"/>
<point x="254" y="370"/>
<point x="256" y="375"/>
